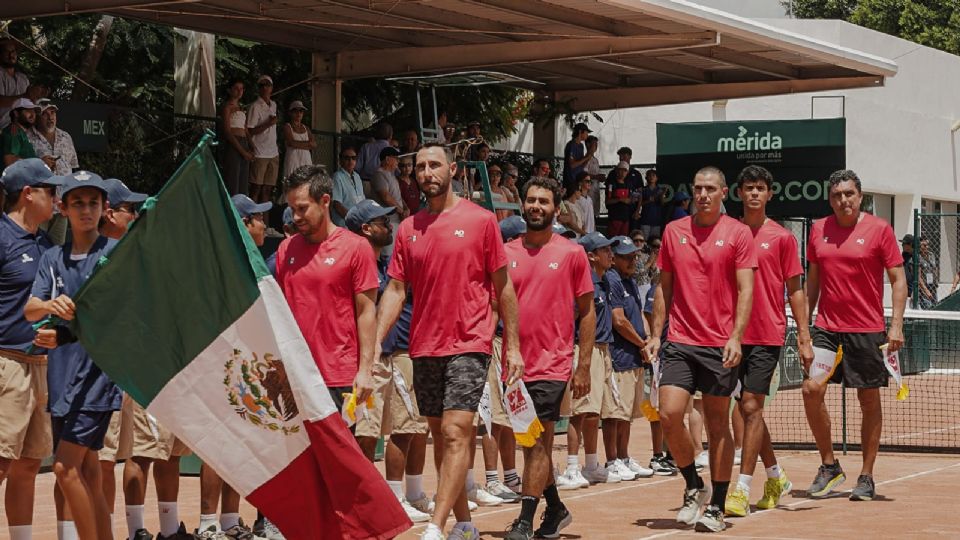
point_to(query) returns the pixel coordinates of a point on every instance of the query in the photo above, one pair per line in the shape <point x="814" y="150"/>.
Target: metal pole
<point x="843" y="413"/>
<point x="915" y="286"/>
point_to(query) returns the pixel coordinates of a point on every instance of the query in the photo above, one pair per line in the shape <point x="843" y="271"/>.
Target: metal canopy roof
<point x="592" y="54"/>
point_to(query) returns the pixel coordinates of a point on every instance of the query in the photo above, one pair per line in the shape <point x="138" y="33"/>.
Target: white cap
<point x="623" y="165"/>
<point x="265" y="79"/>
<point x="296" y="105"/>
<point x="23" y="103"/>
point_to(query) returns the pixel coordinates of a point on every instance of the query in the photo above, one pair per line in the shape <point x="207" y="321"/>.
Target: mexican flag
<point x="185" y="317"/>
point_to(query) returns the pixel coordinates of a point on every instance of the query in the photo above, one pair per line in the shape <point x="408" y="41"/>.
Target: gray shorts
<point x="447" y="383"/>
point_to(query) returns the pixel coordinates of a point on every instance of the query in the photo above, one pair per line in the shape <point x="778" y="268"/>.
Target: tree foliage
<point x="934" y="23"/>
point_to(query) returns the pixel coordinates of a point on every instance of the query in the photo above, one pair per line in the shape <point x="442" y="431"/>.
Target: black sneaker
<point x="142" y="534"/>
<point x="553" y="521"/>
<point x="519" y="530"/>
<point x="181" y="534"/>
<point x="661" y="467"/>
<point x="828" y="477"/>
<point x="865" y="490"/>
<point x="711" y="520"/>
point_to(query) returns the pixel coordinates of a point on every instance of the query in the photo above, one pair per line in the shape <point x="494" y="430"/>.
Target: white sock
<point x="773" y="472"/>
<point x="744" y="481"/>
<point x="21" y="532"/>
<point x="169" y="518"/>
<point x="492" y="476"/>
<point x="592" y="462"/>
<point x="206" y="521"/>
<point x="469" y="480"/>
<point x="572" y="461"/>
<point x="396" y="486"/>
<point x="414" y="486"/>
<point x="464" y="525"/>
<point x="134" y="519"/>
<point x="67" y="530"/>
<point x="229" y="520"/>
<point x="433" y="528"/>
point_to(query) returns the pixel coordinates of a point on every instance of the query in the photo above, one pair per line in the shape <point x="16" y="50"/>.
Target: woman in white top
<point x="236" y="153"/>
<point x="298" y="139"/>
<point x="571" y="216"/>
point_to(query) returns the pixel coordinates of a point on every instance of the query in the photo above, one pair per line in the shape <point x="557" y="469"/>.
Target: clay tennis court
<point x="910" y="504"/>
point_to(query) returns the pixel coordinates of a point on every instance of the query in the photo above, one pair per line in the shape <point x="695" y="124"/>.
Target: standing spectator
<point x="409" y="190"/>
<point x="298" y="139"/>
<point x="369" y="160"/>
<point x="236" y="153"/>
<point x="681" y="208"/>
<point x="510" y="176"/>
<point x="625" y="154"/>
<point x="500" y="192"/>
<point x="347" y="186"/>
<point x="593" y="169"/>
<point x="473" y="132"/>
<point x="410" y="142"/>
<point x="14" y="144"/>
<point x="570" y="214"/>
<point x="575" y="156"/>
<point x="650" y="209"/>
<point x="13" y="83"/>
<point x="910" y="266"/>
<point x="585" y="184"/>
<point x="52" y="143"/>
<point x="640" y="274"/>
<point x="929" y="280"/>
<point x="619" y="208"/>
<point x="262" y="124"/>
<point x="386" y="190"/>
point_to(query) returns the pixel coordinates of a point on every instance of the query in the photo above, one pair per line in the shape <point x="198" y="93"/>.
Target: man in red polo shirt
<point x="550" y="273"/>
<point x="707" y="263"/>
<point x="451" y="256"/>
<point x="848" y="253"/>
<point x="778" y="266"/>
<point x="329" y="277"/>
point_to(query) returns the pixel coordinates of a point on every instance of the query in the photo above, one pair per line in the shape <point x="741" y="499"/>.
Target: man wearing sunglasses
<point x="347" y="186"/>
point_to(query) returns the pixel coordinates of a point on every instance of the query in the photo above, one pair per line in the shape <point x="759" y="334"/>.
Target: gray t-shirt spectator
<point x="347" y="190"/>
<point x="368" y="160"/>
<point x="386" y="180"/>
<point x="11" y="85"/>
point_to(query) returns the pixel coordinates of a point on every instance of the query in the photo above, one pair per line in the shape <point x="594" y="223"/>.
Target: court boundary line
<point x="810" y="500"/>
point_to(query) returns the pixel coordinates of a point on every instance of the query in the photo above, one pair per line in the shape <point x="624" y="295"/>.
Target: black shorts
<point x="696" y="368"/>
<point x="862" y="363"/>
<point x="449" y="383"/>
<point x="337" y="392"/>
<point x="757" y="367"/>
<point x="547" y="397"/>
<point x="85" y="428"/>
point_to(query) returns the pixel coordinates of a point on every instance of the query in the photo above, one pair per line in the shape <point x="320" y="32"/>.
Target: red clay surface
<point x="913" y="502"/>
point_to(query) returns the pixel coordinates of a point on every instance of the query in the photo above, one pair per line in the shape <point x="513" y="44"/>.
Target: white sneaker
<point x="432" y="534"/>
<point x="625" y="473"/>
<point x="692" y="508"/>
<point x="567" y="481"/>
<point x="464" y="532"/>
<point x="636" y="468"/>
<point x="737" y="456"/>
<point x="600" y="475"/>
<point x="482" y="498"/>
<point x="415" y="515"/>
<point x="703" y="460"/>
<point x="499" y="490"/>
<point x="581" y="481"/>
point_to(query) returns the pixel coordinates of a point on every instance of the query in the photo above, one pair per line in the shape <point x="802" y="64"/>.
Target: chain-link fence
<point x="931" y="261"/>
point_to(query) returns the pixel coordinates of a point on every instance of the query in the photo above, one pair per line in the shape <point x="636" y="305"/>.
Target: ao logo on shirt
<point x="765" y="245"/>
<point x="329" y="261"/>
<point x="412" y="238"/>
<point x="719" y="243"/>
<point x="861" y="241"/>
<point x="553" y="266"/>
<point x="459" y="233"/>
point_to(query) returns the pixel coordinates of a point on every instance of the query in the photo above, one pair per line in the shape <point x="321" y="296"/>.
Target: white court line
<point x="808" y="501"/>
<point x="920" y="433"/>
<point x="516" y="507"/>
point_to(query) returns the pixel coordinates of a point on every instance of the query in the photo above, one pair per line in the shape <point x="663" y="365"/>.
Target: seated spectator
<point x="14" y="144"/>
<point x="650" y="209"/>
<point x="13" y="83"/>
<point x="409" y="189"/>
<point x="51" y="142"/>
<point x="473" y="132"/>
<point x="236" y="154"/>
<point x="585" y="185"/>
<point x="541" y="168"/>
<point x="681" y="208"/>
<point x="571" y="214"/>
<point x="510" y="177"/>
<point x="347" y="186"/>
<point x="625" y="154"/>
<point x="298" y="140"/>
<point x="410" y="142"/>
<point x="619" y="207"/>
<point x="498" y="190"/>
<point x="386" y="190"/>
<point x="369" y="159"/>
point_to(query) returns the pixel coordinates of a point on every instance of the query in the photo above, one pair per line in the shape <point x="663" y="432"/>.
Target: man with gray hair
<point x="51" y="143"/>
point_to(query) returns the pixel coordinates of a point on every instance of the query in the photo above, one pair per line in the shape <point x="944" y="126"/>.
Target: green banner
<point x="801" y="154"/>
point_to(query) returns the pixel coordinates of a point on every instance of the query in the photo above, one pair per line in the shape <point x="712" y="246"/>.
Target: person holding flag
<point x="82" y="397"/>
<point x="550" y="274"/>
<point x="24" y="421"/>
<point x="848" y="254"/>
<point x="778" y="266"/>
<point x="450" y="351"/>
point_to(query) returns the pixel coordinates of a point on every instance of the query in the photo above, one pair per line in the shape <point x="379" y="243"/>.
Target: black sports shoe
<point x="553" y="521"/>
<point x="181" y="534"/>
<point x="661" y="467"/>
<point x="865" y="490"/>
<point x="142" y="534"/>
<point x="519" y="530"/>
<point x="711" y="520"/>
<point x="828" y="477"/>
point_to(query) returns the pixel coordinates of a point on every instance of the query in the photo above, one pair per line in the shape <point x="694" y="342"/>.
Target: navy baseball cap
<point x="246" y="207"/>
<point x="288" y="216"/>
<point x="388" y="151"/>
<point x="681" y="196"/>
<point x="82" y="179"/>
<point x="118" y="193"/>
<point x="28" y="172"/>
<point x="594" y="241"/>
<point x="364" y="212"/>
<point x="623" y="245"/>
<point x="512" y="227"/>
<point x="563" y="231"/>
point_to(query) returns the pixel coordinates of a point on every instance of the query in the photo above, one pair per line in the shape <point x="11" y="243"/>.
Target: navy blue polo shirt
<point x="648" y="308"/>
<point x="601" y="304"/>
<point x="573" y="151"/>
<point x="74" y="382"/>
<point x="625" y="294"/>
<point x="652" y="213"/>
<point x="20" y="254"/>
<point x="398" y="339"/>
<point x="272" y="264"/>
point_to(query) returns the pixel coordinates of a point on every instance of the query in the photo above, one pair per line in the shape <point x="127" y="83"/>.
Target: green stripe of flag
<point x="180" y="256"/>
